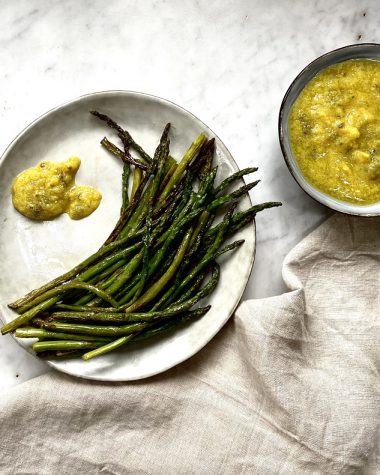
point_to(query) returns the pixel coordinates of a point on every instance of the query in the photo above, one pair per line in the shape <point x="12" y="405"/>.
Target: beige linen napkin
<point x="289" y="386"/>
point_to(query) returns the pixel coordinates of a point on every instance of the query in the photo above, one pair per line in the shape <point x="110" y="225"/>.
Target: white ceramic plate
<point x="32" y="253"/>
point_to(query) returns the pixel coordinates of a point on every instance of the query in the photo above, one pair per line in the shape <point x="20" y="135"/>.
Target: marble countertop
<point x="229" y="62"/>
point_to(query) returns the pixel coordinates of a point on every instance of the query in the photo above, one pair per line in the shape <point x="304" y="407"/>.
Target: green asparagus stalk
<point x="208" y="157"/>
<point x="84" y="308"/>
<point x="137" y="178"/>
<point x="124" y="156"/>
<point x="239" y="220"/>
<point x="234" y="196"/>
<point x="158" y="286"/>
<point x="163" y="328"/>
<point x="28" y="315"/>
<point x="64" y="345"/>
<point x="98" y="330"/>
<point x="61" y="289"/>
<point x="124" y="187"/>
<point x="143" y="335"/>
<point x="123" y="133"/>
<point x="113" y="345"/>
<point x="30" y="332"/>
<point x="232" y="178"/>
<point x="191" y="153"/>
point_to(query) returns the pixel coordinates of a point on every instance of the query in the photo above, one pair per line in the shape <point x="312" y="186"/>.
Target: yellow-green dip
<point x="334" y="130"/>
<point x="48" y="190"/>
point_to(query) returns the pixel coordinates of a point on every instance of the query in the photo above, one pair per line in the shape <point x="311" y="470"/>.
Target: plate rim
<point x="53" y="364"/>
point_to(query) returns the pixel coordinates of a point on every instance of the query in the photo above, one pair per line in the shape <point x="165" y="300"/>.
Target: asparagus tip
<point x="271" y="204"/>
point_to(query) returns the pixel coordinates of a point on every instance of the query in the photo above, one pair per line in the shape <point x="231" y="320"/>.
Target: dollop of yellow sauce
<point x="48" y="190"/>
<point x="334" y="131"/>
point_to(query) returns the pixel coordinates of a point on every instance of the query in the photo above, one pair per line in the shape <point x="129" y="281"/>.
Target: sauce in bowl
<point x="334" y="131"/>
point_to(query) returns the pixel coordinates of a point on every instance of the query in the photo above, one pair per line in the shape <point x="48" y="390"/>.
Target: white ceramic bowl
<point x="365" y="50"/>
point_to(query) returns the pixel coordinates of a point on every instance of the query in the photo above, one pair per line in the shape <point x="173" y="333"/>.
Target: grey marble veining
<point x="229" y="62"/>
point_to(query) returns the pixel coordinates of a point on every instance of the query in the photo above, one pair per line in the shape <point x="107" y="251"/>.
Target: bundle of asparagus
<point x="158" y="262"/>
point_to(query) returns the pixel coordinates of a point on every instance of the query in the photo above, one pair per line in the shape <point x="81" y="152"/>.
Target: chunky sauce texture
<point x="334" y="130"/>
<point x="48" y="190"/>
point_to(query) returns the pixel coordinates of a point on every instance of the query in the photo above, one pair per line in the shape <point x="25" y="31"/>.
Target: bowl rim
<point x="281" y="133"/>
